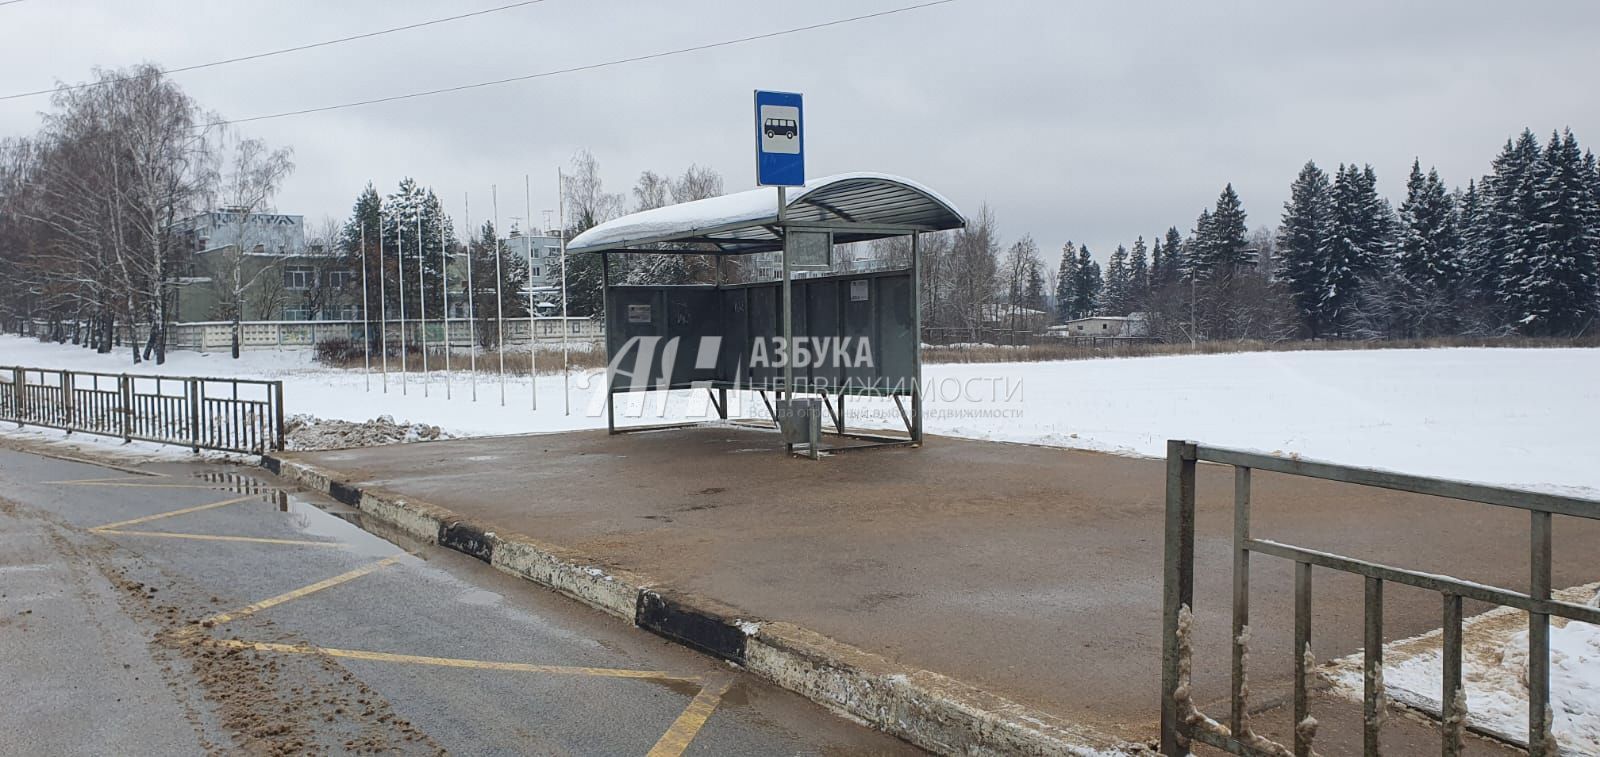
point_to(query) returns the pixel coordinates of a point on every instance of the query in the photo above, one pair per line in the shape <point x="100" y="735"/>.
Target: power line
<point x="588" y="67"/>
<point x="271" y="53"/>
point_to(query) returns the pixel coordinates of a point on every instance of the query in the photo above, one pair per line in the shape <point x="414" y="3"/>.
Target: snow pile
<point x="306" y="432"/>
<point x="1494" y="665"/>
<point x="754" y="206"/>
<point x="1574" y="683"/>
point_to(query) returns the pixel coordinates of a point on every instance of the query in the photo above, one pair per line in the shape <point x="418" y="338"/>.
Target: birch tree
<point x="250" y="177"/>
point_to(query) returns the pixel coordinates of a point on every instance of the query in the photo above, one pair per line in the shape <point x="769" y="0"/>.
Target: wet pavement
<point x="1030" y="572"/>
<point x="192" y="608"/>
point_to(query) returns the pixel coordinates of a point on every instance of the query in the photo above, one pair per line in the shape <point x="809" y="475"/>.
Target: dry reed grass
<point x="1069" y="350"/>
<point x="586" y="356"/>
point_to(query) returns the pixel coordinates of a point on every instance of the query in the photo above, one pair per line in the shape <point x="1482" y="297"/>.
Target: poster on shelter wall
<point x="638" y="314"/>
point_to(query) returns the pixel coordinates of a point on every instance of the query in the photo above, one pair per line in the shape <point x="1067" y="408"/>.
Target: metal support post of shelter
<point x="605" y="304"/>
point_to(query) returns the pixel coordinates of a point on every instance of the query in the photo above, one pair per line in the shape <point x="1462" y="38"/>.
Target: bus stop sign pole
<point x="781" y="163"/>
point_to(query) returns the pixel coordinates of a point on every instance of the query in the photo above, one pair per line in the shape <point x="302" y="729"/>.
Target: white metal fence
<point x="229" y="414"/>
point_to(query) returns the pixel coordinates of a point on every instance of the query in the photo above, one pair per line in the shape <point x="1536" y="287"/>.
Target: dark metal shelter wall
<point x="874" y="309"/>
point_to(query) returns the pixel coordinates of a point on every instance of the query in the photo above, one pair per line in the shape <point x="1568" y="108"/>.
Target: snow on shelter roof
<point x="857" y="206"/>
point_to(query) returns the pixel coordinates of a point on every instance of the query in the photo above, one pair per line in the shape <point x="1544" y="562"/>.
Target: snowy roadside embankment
<point x="1518" y="417"/>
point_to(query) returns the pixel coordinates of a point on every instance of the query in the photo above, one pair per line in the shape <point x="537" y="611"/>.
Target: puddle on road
<point x="341" y="526"/>
<point x="334" y="522"/>
<point x="238" y="483"/>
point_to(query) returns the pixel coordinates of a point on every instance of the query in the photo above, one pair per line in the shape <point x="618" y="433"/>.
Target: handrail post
<point x="1452" y="712"/>
<point x="1540" y="744"/>
<point x="1177" y="585"/>
<point x="66" y="401"/>
<point x="19" y="385"/>
<point x="1302" y="657"/>
<point x="195" y="388"/>
<point x="1241" y="595"/>
<point x="1373" y="695"/>
<point x="125" y="390"/>
<point x="277" y="390"/>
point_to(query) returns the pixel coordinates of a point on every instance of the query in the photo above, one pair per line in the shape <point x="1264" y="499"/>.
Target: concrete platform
<point x="1032" y="573"/>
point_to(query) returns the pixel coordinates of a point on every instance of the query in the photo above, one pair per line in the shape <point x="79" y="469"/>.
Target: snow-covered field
<point x="1507" y="416"/>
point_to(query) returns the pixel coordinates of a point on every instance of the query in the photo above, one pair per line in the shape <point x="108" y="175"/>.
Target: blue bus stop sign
<point x="780" y="140"/>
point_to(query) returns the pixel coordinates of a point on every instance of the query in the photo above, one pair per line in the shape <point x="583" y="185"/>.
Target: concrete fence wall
<point x="218" y="335"/>
<point x="275" y="334"/>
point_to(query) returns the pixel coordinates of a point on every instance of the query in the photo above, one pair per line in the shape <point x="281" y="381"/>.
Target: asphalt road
<point x="195" y="608"/>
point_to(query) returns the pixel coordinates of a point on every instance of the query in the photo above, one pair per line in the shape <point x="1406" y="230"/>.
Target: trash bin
<point x="800" y="420"/>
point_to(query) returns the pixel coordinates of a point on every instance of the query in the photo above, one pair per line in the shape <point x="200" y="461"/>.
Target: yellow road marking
<point x="677" y="738"/>
<point x="214" y="537"/>
<point x="300" y="592"/>
<point x="184" y="511"/>
<point x="146" y="486"/>
<point x="687" y="726"/>
<point x="673" y="743"/>
<point x="95" y="463"/>
<point x="109" y="480"/>
<point x="449" y="662"/>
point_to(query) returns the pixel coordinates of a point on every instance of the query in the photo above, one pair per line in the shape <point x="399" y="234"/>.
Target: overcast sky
<point x="1094" y="122"/>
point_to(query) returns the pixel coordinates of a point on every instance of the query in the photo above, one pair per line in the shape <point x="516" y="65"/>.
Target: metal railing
<point x="226" y="414"/>
<point x="1182" y="723"/>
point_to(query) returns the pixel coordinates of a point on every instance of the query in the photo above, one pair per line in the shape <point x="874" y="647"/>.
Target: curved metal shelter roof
<point x="856" y="206"/>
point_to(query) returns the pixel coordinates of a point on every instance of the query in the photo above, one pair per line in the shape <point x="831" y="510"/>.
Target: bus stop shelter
<point x="808" y="341"/>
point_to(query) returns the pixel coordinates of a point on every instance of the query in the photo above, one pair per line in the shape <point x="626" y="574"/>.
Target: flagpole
<point x="472" y="299"/>
<point x="566" y="328"/>
<point x="366" y="322"/>
<point x="400" y="256"/>
<point x="383" y="303"/>
<point x="527" y="265"/>
<point x="422" y="306"/>
<point x="499" y="299"/>
<point x="444" y="284"/>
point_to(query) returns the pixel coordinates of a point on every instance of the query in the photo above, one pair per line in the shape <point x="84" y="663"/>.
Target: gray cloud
<point x="1090" y="121"/>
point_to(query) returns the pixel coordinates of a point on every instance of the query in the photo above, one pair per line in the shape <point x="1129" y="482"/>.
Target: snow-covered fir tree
<point x="364" y="226"/>
<point x="1087" y="289"/>
<point x="1414" y="292"/>
<point x="1066" y="283"/>
<point x="1174" y="266"/>
<point x="1219" y="245"/>
<point x="1158" y="265"/>
<point x="413" y="221"/>
<point x="1507" y="214"/>
<point x="1114" y="299"/>
<point x="1196" y="249"/>
<point x="1518" y="250"/>
<point x="491" y="299"/>
<point x="1355" y="244"/>
<point x="1550" y="286"/>
<point x="1303" y="237"/>
<point x="1139" y="276"/>
<point x="1468" y="204"/>
<point x="1033" y="293"/>
<point x="1427" y="252"/>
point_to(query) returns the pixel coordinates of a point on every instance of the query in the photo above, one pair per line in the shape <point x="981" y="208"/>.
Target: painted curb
<point x="932" y="711"/>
